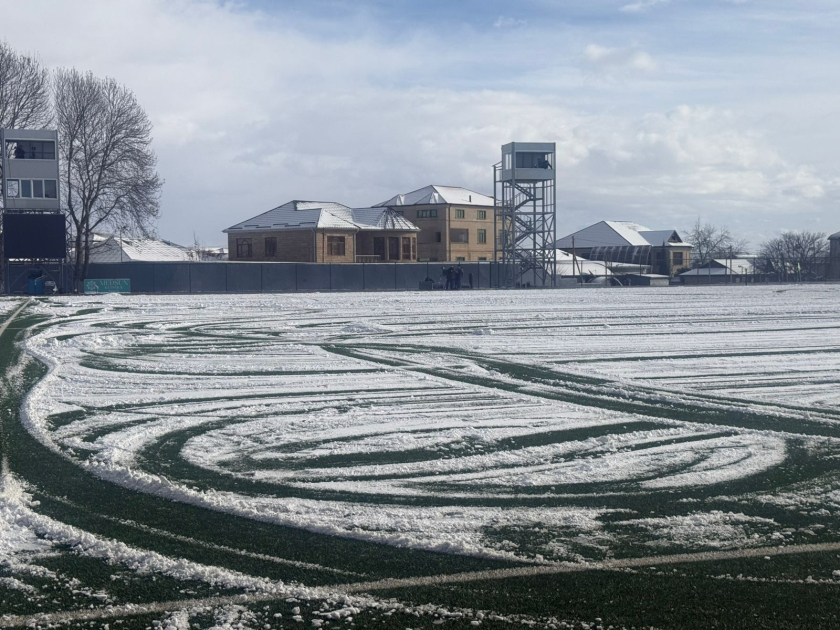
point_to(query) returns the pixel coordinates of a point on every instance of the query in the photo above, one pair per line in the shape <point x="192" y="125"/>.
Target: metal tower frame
<point x="524" y="184"/>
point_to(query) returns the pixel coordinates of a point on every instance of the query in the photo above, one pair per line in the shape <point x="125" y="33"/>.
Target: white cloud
<point x="609" y="59"/>
<point x="642" y="5"/>
<point x="251" y="110"/>
<point x="508" y="22"/>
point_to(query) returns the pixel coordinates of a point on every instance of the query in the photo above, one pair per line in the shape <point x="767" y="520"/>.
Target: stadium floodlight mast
<point x="526" y="224"/>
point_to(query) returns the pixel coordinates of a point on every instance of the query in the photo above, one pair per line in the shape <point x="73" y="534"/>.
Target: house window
<point x="33" y="188"/>
<point x="460" y="259"/>
<point x="459" y="213"/>
<point x="678" y="258"/>
<point x="400" y="213"/>
<point x="414" y="248"/>
<point x="379" y="247"/>
<point x="459" y="236"/>
<point x="30" y="149"/>
<point x="482" y="236"/>
<point x="430" y="213"/>
<point x="12" y="188"/>
<point x="480" y="258"/>
<point x="482" y="214"/>
<point x="270" y="247"/>
<point x="438" y="237"/>
<point x="406" y="248"/>
<point x="244" y="248"/>
<point x="335" y="245"/>
<point x="393" y="248"/>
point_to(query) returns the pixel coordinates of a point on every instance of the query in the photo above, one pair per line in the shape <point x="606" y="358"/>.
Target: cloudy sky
<point x="663" y="111"/>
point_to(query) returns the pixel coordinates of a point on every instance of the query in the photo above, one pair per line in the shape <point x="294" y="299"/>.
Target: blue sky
<point x="663" y="110"/>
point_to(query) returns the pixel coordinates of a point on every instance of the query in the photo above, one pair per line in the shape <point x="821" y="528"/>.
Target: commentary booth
<point x="34" y="239"/>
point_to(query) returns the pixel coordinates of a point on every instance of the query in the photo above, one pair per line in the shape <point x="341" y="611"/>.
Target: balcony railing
<point x="369" y="259"/>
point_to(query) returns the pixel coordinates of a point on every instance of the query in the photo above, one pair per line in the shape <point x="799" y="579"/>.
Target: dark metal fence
<point x="241" y="277"/>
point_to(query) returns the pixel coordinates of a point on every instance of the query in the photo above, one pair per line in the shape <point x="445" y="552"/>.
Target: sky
<point x="663" y="111"/>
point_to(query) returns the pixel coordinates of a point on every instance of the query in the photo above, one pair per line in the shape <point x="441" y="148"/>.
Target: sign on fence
<point x="109" y="285"/>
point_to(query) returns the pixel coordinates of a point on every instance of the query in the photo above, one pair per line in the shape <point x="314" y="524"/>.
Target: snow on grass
<point x="396" y="418"/>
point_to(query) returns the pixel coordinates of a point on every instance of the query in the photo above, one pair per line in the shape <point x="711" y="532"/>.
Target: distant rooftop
<point x="301" y="215"/>
<point x="620" y="234"/>
<point x="438" y="195"/>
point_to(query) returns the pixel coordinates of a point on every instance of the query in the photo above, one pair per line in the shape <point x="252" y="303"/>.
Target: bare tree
<point x="793" y="255"/>
<point x="24" y="91"/>
<point x="24" y="101"/>
<point x="109" y="176"/>
<point x="712" y="242"/>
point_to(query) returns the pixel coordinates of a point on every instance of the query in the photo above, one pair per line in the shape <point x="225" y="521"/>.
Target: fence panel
<point x="171" y="277"/>
<point x="243" y="277"/>
<point x="206" y="278"/>
<point x="347" y="277"/>
<point x="279" y="277"/>
<point x="380" y="276"/>
<point x="313" y="277"/>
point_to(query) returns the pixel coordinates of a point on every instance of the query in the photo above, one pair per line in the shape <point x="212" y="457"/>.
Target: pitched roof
<point x="111" y="249"/>
<point x="619" y="234"/>
<point x="724" y="266"/>
<point x="437" y="195"/>
<point x="299" y="215"/>
<point x="835" y="236"/>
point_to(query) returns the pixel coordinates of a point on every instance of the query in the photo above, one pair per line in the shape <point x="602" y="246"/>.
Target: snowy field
<point x="454" y="432"/>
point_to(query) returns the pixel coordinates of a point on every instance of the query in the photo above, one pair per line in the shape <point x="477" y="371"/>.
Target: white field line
<point x="648" y="561"/>
<point x="11" y="317"/>
<point x="129" y="610"/>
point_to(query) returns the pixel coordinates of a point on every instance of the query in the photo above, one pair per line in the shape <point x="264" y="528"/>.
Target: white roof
<point x="724" y="266"/>
<point x="437" y="195"/>
<point x="834" y="236"/>
<point x="299" y="215"/>
<point x="567" y="265"/>
<point x="619" y="234"/>
<point x="111" y="249"/>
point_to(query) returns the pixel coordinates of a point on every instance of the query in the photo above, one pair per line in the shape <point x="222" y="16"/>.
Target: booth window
<point x="30" y="149"/>
<point x="32" y="188"/>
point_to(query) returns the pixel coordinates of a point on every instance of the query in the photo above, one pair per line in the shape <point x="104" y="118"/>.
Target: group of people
<point x="455" y="277"/>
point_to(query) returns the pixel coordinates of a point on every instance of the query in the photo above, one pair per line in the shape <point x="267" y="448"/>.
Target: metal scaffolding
<point x="526" y="224"/>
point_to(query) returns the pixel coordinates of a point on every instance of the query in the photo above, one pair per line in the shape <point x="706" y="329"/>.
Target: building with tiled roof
<point x="456" y="224"/>
<point x="324" y="231"/>
<point x="622" y="243"/>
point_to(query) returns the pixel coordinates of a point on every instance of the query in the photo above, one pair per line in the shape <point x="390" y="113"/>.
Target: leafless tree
<point x="712" y="242"/>
<point x="109" y="176"/>
<point x="24" y="99"/>
<point x="794" y="255"/>
<point x="24" y="91"/>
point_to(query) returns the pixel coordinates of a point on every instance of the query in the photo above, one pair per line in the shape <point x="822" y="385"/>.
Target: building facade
<point x="323" y="232"/>
<point x="455" y="224"/>
<point x="624" y="244"/>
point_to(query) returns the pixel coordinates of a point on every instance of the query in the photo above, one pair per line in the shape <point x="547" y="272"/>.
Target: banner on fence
<point x="108" y="285"/>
